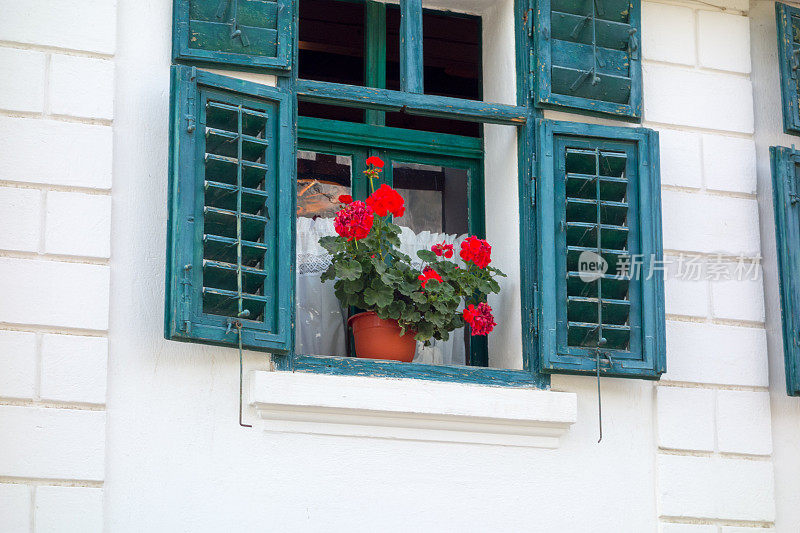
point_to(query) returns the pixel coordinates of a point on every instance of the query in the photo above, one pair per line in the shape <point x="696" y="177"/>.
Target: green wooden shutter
<point x="245" y="33"/>
<point x="588" y="56"/>
<point x="599" y="197"/>
<point x="789" y="59"/>
<point x="786" y="195"/>
<point x="229" y="255"/>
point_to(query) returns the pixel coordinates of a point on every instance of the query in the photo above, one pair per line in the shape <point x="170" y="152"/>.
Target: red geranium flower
<point x="443" y="250"/>
<point x="345" y="199"/>
<point x="427" y="275"/>
<point x="354" y="221"/>
<point x="476" y="250"/>
<point x="480" y="319"/>
<point x="386" y="200"/>
<point x="375" y="161"/>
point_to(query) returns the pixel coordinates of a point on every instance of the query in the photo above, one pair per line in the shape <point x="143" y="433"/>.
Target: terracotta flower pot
<point x="380" y="339"/>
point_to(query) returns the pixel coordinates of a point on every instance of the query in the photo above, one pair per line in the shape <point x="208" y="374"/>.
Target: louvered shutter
<point x="600" y="234"/>
<point x="245" y="33"/>
<point x="588" y="56"/>
<point x="786" y="196"/>
<point x="789" y="59"/>
<point x="230" y="241"/>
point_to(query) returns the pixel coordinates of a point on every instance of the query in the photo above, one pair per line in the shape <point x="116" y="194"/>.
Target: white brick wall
<point x="69" y="510"/>
<point x="716" y="488"/>
<point x="24" y="90"/>
<point x="685" y="418"/>
<point x="743" y="422"/>
<point x="56" y="112"/>
<point x="668" y="33"/>
<point x="15" y="507"/>
<point x="724" y="41"/>
<point x="20" y="218"/>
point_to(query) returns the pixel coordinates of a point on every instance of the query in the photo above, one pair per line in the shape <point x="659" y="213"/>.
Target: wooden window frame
<point x="786" y="196"/>
<point x="650" y="363"/>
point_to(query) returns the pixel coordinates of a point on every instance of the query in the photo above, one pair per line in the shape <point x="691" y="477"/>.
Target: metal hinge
<point x="532" y="74"/>
<point x="791" y="184"/>
<point x="533" y="179"/>
<point x="185" y="301"/>
<point x="529" y="18"/>
<point x="190" y="104"/>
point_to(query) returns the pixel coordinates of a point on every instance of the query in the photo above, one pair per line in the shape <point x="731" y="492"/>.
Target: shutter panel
<point x="786" y="196"/>
<point x="789" y="59"/>
<point x="588" y="56"/>
<point x="600" y="230"/>
<point x="245" y="33"/>
<point x="230" y="229"/>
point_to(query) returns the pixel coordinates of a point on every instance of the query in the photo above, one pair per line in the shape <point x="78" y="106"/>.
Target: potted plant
<point x="401" y="304"/>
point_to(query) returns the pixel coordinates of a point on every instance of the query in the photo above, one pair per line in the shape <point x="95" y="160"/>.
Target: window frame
<point x="653" y="358"/>
<point x="785" y="165"/>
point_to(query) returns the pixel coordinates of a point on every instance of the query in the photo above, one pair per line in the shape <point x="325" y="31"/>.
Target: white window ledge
<point x="410" y="409"/>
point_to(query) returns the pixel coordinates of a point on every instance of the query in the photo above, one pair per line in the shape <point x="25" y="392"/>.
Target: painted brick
<point x="74" y="368"/>
<point x="738" y="299"/>
<point x="701" y="99"/>
<point x="81" y="86"/>
<point x="668" y="33"/>
<point x="680" y="158"/>
<point x="713" y="487"/>
<point x="688" y="528"/>
<point x="15" y="507"/>
<point x="53" y="293"/>
<point x="68" y="510"/>
<point x="62" y="24"/>
<point x="685" y="296"/>
<point x="20" y="219"/>
<point x="708" y="353"/>
<point x="31" y="145"/>
<point x="17" y="364"/>
<point x="22" y="83"/>
<point x="78" y="224"/>
<point x="710" y="224"/>
<point x="729" y="164"/>
<point x="685" y="418"/>
<point x="724" y="41"/>
<point x="743" y="422"/>
<point x="52" y="443"/>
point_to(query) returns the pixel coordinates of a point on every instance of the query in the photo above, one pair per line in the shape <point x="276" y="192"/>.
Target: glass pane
<point x="437" y="210"/>
<point x="321" y="178"/>
<point x="436" y="197"/>
<point x="320" y="319"/>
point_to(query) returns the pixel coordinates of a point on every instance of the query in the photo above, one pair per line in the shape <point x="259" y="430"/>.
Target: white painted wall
<point x="162" y="449"/>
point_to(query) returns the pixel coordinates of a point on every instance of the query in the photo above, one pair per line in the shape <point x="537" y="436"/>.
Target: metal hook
<point x="598" y="353"/>
<point x="241" y="372"/>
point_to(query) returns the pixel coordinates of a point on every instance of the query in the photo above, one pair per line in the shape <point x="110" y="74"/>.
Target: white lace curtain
<point x="321" y="327"/>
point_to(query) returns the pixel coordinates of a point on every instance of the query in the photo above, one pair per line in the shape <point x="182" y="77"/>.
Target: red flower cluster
<point x="476" y="250"/>
<point x="375" y="161"/>
<point x="480" y="319"/>
<point x="386" y="200"/>
<point x="427" y="275"/>
<point x="443" y="250"/>
<point x="354" y="221"/>
<point x="345" y="199"/>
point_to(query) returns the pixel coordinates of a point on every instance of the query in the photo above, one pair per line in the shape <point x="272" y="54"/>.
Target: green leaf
<point x="419" y="297"/>
<point x="349" y="269"/>
<point x="378" y="297"/>
<point x="332" y="244"/>
<point x="427" y="256"/>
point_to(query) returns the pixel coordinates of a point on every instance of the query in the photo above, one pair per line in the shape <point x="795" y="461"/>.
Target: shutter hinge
<point x="535" y="311"/>
<point x="532" y="74"/>
<point x="791" y="182"/>
<point x="190" y="111"/>
<point x="533" y="179"/>
<point x="529" y="18"/>
<point x="185" y="303"/>
<point x="633" y="44"/>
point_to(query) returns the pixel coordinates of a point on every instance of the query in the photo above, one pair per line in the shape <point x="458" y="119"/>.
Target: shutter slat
<point x="576" y="82"/>
<point x="613" y="10"/>
<point x="257" y="13"/>
<point x="578" y="56"/>
<point x="578" y="29"/>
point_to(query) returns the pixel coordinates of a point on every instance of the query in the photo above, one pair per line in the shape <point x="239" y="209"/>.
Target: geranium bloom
<point x="427" y="275"/>
<point x="375" y="161"/>
<point x="354" y="221"/>
<point x="476" y="250"/>
<point x="345" y="199"/>
<point x="480" y="319"/>
<point x="443" y="250"/>
<point x="386" y="200"/>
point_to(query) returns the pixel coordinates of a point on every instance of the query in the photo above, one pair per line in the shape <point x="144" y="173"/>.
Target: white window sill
<point x="410" y="409"/>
